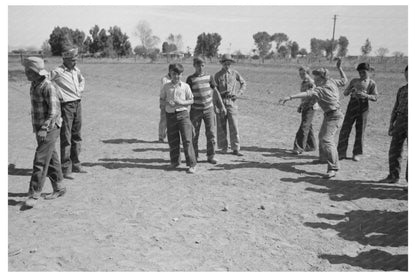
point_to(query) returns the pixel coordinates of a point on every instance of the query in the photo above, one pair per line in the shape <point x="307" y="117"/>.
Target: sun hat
<point x="227" y="58"/>
<point x="36" y="64"/>
<point x="70" y="54"/>
<point x="363" y="66"/>
<point x="321" y="72"/>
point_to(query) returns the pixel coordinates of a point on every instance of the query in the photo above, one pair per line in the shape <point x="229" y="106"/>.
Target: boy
<point x="326" y="93"/>
<point x="361" y="90"/>
<point x="398" y="133"/>
<point x="46" y="122"/>
<point x="206" y="96"/>
<point x="305" y="138"/>
<point x="177" y="97"/>
<point x="162" y="122"/>
<point x="231" y="85"/>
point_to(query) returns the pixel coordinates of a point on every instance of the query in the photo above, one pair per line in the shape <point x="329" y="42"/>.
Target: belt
<point x="69" y="102"/>
<point x="331" y="112"/>
<point x="228" y="96"/>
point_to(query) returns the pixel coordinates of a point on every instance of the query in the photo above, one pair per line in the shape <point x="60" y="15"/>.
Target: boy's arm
<point x="344" y="80"/>
<point x="81" y="81"/>
<point x="297" y="95"/>
<point x="394" y="113"/>
<point x="189" y="98"/>
<point x="349" y="89"/>
<point x="162" y="98"/>
<point x="243" y="84"/>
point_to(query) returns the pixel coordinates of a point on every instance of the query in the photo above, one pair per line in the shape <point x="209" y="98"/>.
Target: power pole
<point x="333" y="36"/>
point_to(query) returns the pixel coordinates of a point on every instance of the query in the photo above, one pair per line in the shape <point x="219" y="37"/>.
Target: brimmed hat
<point x="321" y="72"/>
<point x="363" y="66"/>
<point x="70" y="54"/>
<point x="227" y="58"/>
<point x="36" y="64"/>
<point x="199" y="59"/>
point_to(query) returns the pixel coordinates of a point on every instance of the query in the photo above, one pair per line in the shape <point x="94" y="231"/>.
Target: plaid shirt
<point x="227" y="83"/>
<point x="46" y="107"/>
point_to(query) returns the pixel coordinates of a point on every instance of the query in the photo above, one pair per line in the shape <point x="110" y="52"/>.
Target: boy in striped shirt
<point x="206" y="96"/>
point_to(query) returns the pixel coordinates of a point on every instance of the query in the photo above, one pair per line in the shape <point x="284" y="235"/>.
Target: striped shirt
<point x="69" y="82"/>
<point x="327" y="95"/>
<point x="46" y="107"/>
<point x="170" y="92"/>
<point x="202" y="88"/>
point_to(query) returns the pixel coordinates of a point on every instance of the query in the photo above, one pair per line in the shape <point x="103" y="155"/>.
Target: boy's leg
<point x="360" y="125"/>
<point x="185" y="127"/>
<point x="41" y="163"/>
<point x="328" y="139"/>
<point x="67" y="112"/>
<point x="232" y="116"/>
<point x="396" y="148"/>
<point x="196" y="119"/>
<point x="303" y="135"/>
<point x="350" y="117"/>
<point x="173" y="138"/>
<point x="209" y="121"/>
<point x="222" y="130"/>
<point x="76" y="137"/>
<point x="162" y="125"/>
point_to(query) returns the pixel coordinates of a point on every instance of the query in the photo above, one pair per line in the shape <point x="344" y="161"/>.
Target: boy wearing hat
<point x="177" y="96"/>
<point x="398" y="132"/>
<point x="70" y="84"/>
<point x="362" y="90"/>
<point x="230" y="85"/>
<point x="46" y="122"/>
<point x="327" y="95"/>
<point x="162" y="123"/>
<point x="206" y="96"/>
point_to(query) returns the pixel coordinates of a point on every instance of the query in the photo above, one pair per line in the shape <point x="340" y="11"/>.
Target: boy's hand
<point x="41" y="135"/>
<point x="172" y="103"/>
<point x="284" y="100"/>
<point x="361" y="95"/>
<point x="339" y="62"/>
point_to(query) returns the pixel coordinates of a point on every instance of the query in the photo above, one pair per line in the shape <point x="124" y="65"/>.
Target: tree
<point x="263" y="43"/>
<point x="294" y="49"/>
<point x="59" y="39"/>
<point x="120" y="41"/>
<point x="207" y="45"/>
<point x="366" y="48"/>
<point x="279" y="38"/>
<point x="397" y="55"/>
<point x="342" y="46"/>
<point x="303" y="52"/>
<point x="141" y="51"/>
<point x="382" y="52"/>
<point x="316" y="47"/>
<point x="176" y="40"/>
<point x="145" y="34"/>
<point x="283" y="51"/>
<point x="46" y="48"/>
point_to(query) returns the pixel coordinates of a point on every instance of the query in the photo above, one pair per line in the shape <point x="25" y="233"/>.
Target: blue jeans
<point x="208" y="116"/>
<point x="162" y="124"/>
<point x="71" y="135"/>
<point x="357" y="112"/>
<point x="231" y="119"/>
<point x="399" y="136"/>
<point x="305" y="138"/>
<point x="46" y="164"/>
<point x="180" y="126"/>
<point x="327" y="147"/>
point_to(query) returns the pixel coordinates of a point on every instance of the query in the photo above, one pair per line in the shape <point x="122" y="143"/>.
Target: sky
<point x="385" y="26"/>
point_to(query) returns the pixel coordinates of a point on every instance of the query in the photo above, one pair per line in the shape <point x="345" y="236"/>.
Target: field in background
<point x="128" y="213"/>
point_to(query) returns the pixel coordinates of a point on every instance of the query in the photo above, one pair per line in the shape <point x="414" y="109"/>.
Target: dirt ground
<point x="266" y="211"/>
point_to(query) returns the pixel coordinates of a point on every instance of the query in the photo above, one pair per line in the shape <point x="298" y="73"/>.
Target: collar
<point x="67" y="69"/>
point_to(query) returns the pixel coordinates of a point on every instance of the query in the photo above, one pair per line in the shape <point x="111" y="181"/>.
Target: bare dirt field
<point x="266" y="211"/>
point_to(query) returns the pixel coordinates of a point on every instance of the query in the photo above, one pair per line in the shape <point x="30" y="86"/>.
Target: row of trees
<point x="113" y="42"/>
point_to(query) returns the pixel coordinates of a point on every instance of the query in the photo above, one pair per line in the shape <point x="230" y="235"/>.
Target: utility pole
<point x="333" y="36"/>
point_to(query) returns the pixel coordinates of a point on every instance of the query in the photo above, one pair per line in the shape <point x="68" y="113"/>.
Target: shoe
<point x="56" y="194"/>
<point x="191" y="170"/>
<point x="237" y="153"/>
<point x="30" y="202"/>
<point x="68" y="176"/>
<point x="356" y="158"/>
<point x="212" y="160"/>
<point x="389" y="180"/>
<point x="224" y="151"/>
<point x="330" y="174"/>
<point x="296" y="152"/>
<point x="318" y="162"/>
<point x="78" y="169"/>
<point x="173" y="165"/>
<point x="342" y="157"/>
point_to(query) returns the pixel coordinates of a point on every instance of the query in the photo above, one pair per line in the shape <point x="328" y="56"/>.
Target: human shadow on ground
<point x="12" y="170"/>
<point x="286" y="167"/>
<point x="127" y="141"/>
<point x="273" y="152"/>
<point x="132" y="163"/>
<point x="345" y="190"/>
<point x="374" y="259"/>
<point x="376" y="228"/>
